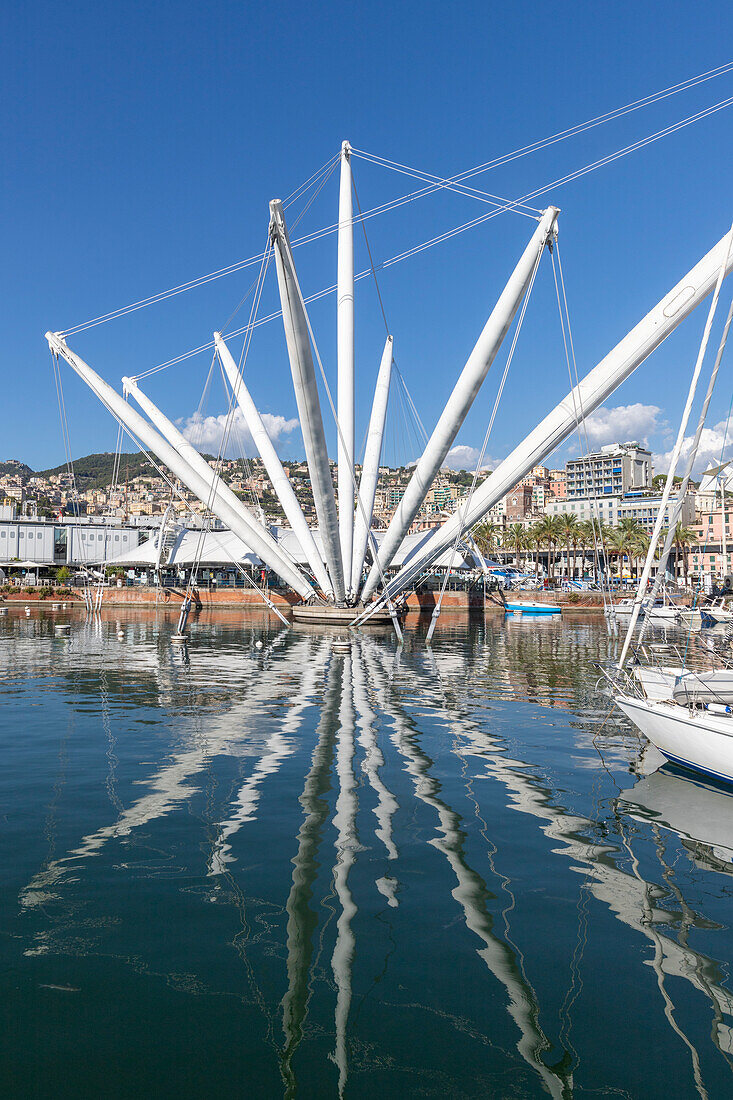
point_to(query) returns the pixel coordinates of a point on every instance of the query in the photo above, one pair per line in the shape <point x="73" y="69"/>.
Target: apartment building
<point x="641" y="507"/>
<point x="612" y="471"/>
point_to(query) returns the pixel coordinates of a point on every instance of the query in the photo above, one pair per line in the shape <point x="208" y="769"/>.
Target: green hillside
<point x="95" y="471"/>
<point x="19" y="469"/>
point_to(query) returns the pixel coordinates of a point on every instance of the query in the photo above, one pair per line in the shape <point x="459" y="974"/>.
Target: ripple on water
<point x="426" y="870"/>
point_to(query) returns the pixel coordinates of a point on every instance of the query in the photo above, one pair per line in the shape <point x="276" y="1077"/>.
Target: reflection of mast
<point x="373" y="758"/>
<point x="278" y="747"/>
<point x="471" y="894"/>
<point x="170" y="785"/>
<point x="657" y="962"/>
<point x="342" y="960"/>
<point x="627" y="896"/>
<point x="302" y="920"/>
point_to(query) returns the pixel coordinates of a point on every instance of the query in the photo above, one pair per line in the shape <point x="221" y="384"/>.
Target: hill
<point x="12" y="466"/>
<point x="95" y="471"/>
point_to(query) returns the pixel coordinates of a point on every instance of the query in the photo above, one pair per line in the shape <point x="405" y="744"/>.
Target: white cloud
<point x="712" y="443"/>
<point x="206" y="433"/>
<point x="624" y="423"/>
<point x="463" y="457"/>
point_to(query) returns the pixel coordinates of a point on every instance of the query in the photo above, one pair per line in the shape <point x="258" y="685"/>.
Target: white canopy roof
<point x="221" y="547"/>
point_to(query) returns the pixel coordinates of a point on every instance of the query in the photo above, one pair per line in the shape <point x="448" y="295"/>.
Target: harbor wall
<point x="461" y="602"/>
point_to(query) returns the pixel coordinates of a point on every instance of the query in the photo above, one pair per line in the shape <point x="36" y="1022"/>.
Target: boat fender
<point x="719" y="708"/>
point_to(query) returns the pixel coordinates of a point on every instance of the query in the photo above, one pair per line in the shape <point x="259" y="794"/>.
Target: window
<point x="30" y="534"/>
<point x="99" y="538"/>
<point x="117" y="538"/>
<point x="2" y="534"/>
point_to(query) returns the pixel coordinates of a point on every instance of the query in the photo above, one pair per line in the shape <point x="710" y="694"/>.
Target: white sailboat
<point x="686" y="714"/>
<point x="700" y="738"/>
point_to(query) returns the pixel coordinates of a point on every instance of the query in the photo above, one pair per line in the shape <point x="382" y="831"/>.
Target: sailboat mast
<point x="305" y="385"/>
<point x="271" y="460"/>
<point x="591" y="392"/>
<point x="461" y="399"/>
<point x="345" y="364"/>
<point x="370" y="469"/>
<point x="676" y="452"/>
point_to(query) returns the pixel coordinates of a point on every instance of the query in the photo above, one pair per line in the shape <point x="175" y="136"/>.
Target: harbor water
<point x="262" y="865"/>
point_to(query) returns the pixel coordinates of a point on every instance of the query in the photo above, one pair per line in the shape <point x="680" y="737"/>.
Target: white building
<point x="73" y="542"/>
<point x="611" y="510"/>
<point x="615" y="470"/>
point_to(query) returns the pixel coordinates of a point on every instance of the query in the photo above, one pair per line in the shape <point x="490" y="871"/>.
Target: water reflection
<point x="698" y="811"/>
<point x="381" y="804"/>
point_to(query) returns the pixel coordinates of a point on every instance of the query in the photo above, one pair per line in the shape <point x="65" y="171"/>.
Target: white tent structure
<point x="205" y="548"/>
<point x="343" y="562"/>
<point x="223" y="548"/>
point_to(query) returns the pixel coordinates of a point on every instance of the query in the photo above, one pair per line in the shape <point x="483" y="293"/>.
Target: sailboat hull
<point x="699" y="740"/>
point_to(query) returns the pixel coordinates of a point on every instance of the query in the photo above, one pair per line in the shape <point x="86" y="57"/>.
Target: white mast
<point x="370" y="469"/>
<point x="200" y="466"/>
<point x="345" y="361"/>
<point x="306" y="394"/>
<point x="591" y="392"/>
<point x="676" y="452"/>
<point x="682" y="492"/>
<point x="273" y="465"/>
<point x="462" y="397"/>
<point x="207" y="488"/>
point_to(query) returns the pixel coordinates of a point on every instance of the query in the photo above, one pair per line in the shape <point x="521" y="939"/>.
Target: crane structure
<point x="344" y="568"/>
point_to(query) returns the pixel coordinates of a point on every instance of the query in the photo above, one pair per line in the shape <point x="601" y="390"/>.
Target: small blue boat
<point x="529" y="607"/>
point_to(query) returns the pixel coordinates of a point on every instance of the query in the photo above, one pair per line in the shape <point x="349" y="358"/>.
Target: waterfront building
<point x="642" y="507"/>
<point x="538" y="475"/>
<point x="67" y="542"/>
<point x="541" y="496"/>
<point x="518" y="503"/>
<point x="708" y="499"/>
<point x="612" y="471"/>
<point x="710" y="554"/>
<point x="558" y="484"/>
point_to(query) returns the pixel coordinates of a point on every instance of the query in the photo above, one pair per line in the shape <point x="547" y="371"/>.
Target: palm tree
<point x="684" y="538"/>
<point x="617" y="542"/>
<point x="635" y="536"/>
<point x="638" y="545"/>
<point x="587" y="537"/>
<point x="486" y="537"/>
<point x="558" y="533"/>
<point x="547" y="532"/>
<point x="567" y="523"/>
<point x="515" y="538"/>
<point x="535" y="539"/>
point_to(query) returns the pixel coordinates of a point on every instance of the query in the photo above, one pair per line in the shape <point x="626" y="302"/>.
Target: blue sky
<point x="142" y="144"/>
